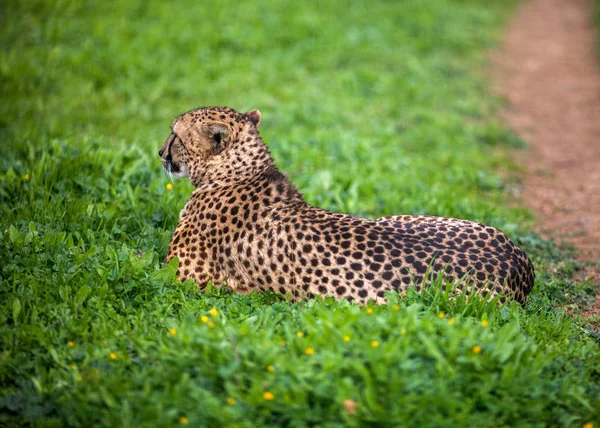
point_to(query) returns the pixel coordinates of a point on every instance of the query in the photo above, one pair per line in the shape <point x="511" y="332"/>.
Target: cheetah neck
<point x="249" y="168"/>
<point x="268" y="187"/>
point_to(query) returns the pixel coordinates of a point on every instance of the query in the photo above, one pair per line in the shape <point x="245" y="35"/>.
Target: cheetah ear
<point x="254" y="116"/>
<point x="219" y="133"/>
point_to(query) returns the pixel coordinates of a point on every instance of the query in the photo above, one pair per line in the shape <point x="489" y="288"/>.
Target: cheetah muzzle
<point x="247" y="225"/>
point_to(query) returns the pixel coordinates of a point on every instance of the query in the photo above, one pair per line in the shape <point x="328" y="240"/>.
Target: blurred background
<point x="365" y="104"/>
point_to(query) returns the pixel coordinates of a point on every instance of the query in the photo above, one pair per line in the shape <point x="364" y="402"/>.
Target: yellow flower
<point x="268" y="396"/>
<point x="346" y="338"/>
<point x="170" y="187"/>
<point x="113" y="356"/>
<point x="213" y="312"/>
<point x="403" y="331"/>
<point x="369" y="311"/>
<point x="231" y="401"/>
<point x="73" y="366"/>
<point x="441" y="315"/>
<point x="450" y="321"/>
<point x="172" y="331"/>
<point x="71" y="343"/>
<point x="375" y="344"/>
<point x="309" y="351"/>
<point x="271" y="368"/>
<point x="404" y="294"/>
<point x="211" y="324"/>
<point x="26" y="177"/>
<point x="300" y="334"/>
<point x="484" y="323"/>
<point x="396" y="307"/>
<point x="588" y="425"/>
<point x="282" y="343"/>
<point x="204" y="319"/>
<point x="183" y="420"/>
<point x="477" y="349"/>
<point x="79" y="378"/>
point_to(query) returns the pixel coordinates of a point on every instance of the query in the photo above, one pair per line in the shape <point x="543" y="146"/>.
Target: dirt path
<point x="548" y="71"/>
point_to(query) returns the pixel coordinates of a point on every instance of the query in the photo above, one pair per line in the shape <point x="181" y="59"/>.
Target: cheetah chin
<point x="246" y="225"/>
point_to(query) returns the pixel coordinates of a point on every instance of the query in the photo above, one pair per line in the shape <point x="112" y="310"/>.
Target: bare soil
<point x="548" y="71"/>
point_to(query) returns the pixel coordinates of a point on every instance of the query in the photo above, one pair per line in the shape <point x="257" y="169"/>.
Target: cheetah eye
<point x="176" y="138"/>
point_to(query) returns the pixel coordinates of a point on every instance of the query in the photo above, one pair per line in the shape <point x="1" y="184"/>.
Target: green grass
<point x="373" y="108"/>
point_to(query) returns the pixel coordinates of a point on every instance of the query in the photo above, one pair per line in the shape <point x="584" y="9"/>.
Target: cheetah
<point x="247" y="226"/>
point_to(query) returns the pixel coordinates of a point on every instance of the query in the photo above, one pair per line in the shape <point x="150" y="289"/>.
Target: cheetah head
<point x="214" y="146"/>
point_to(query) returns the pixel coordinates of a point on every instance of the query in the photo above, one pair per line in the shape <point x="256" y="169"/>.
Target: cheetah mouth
<point x="175" y="170"/>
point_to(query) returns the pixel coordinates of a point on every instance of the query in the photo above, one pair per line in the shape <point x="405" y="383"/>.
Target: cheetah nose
<point x="160" y="152"/>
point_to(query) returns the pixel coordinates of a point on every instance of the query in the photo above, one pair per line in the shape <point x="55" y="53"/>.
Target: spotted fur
<point x="246" y="224"/>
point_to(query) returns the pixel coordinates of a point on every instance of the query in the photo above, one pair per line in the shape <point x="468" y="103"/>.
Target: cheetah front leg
<point x="196" y="261"/>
